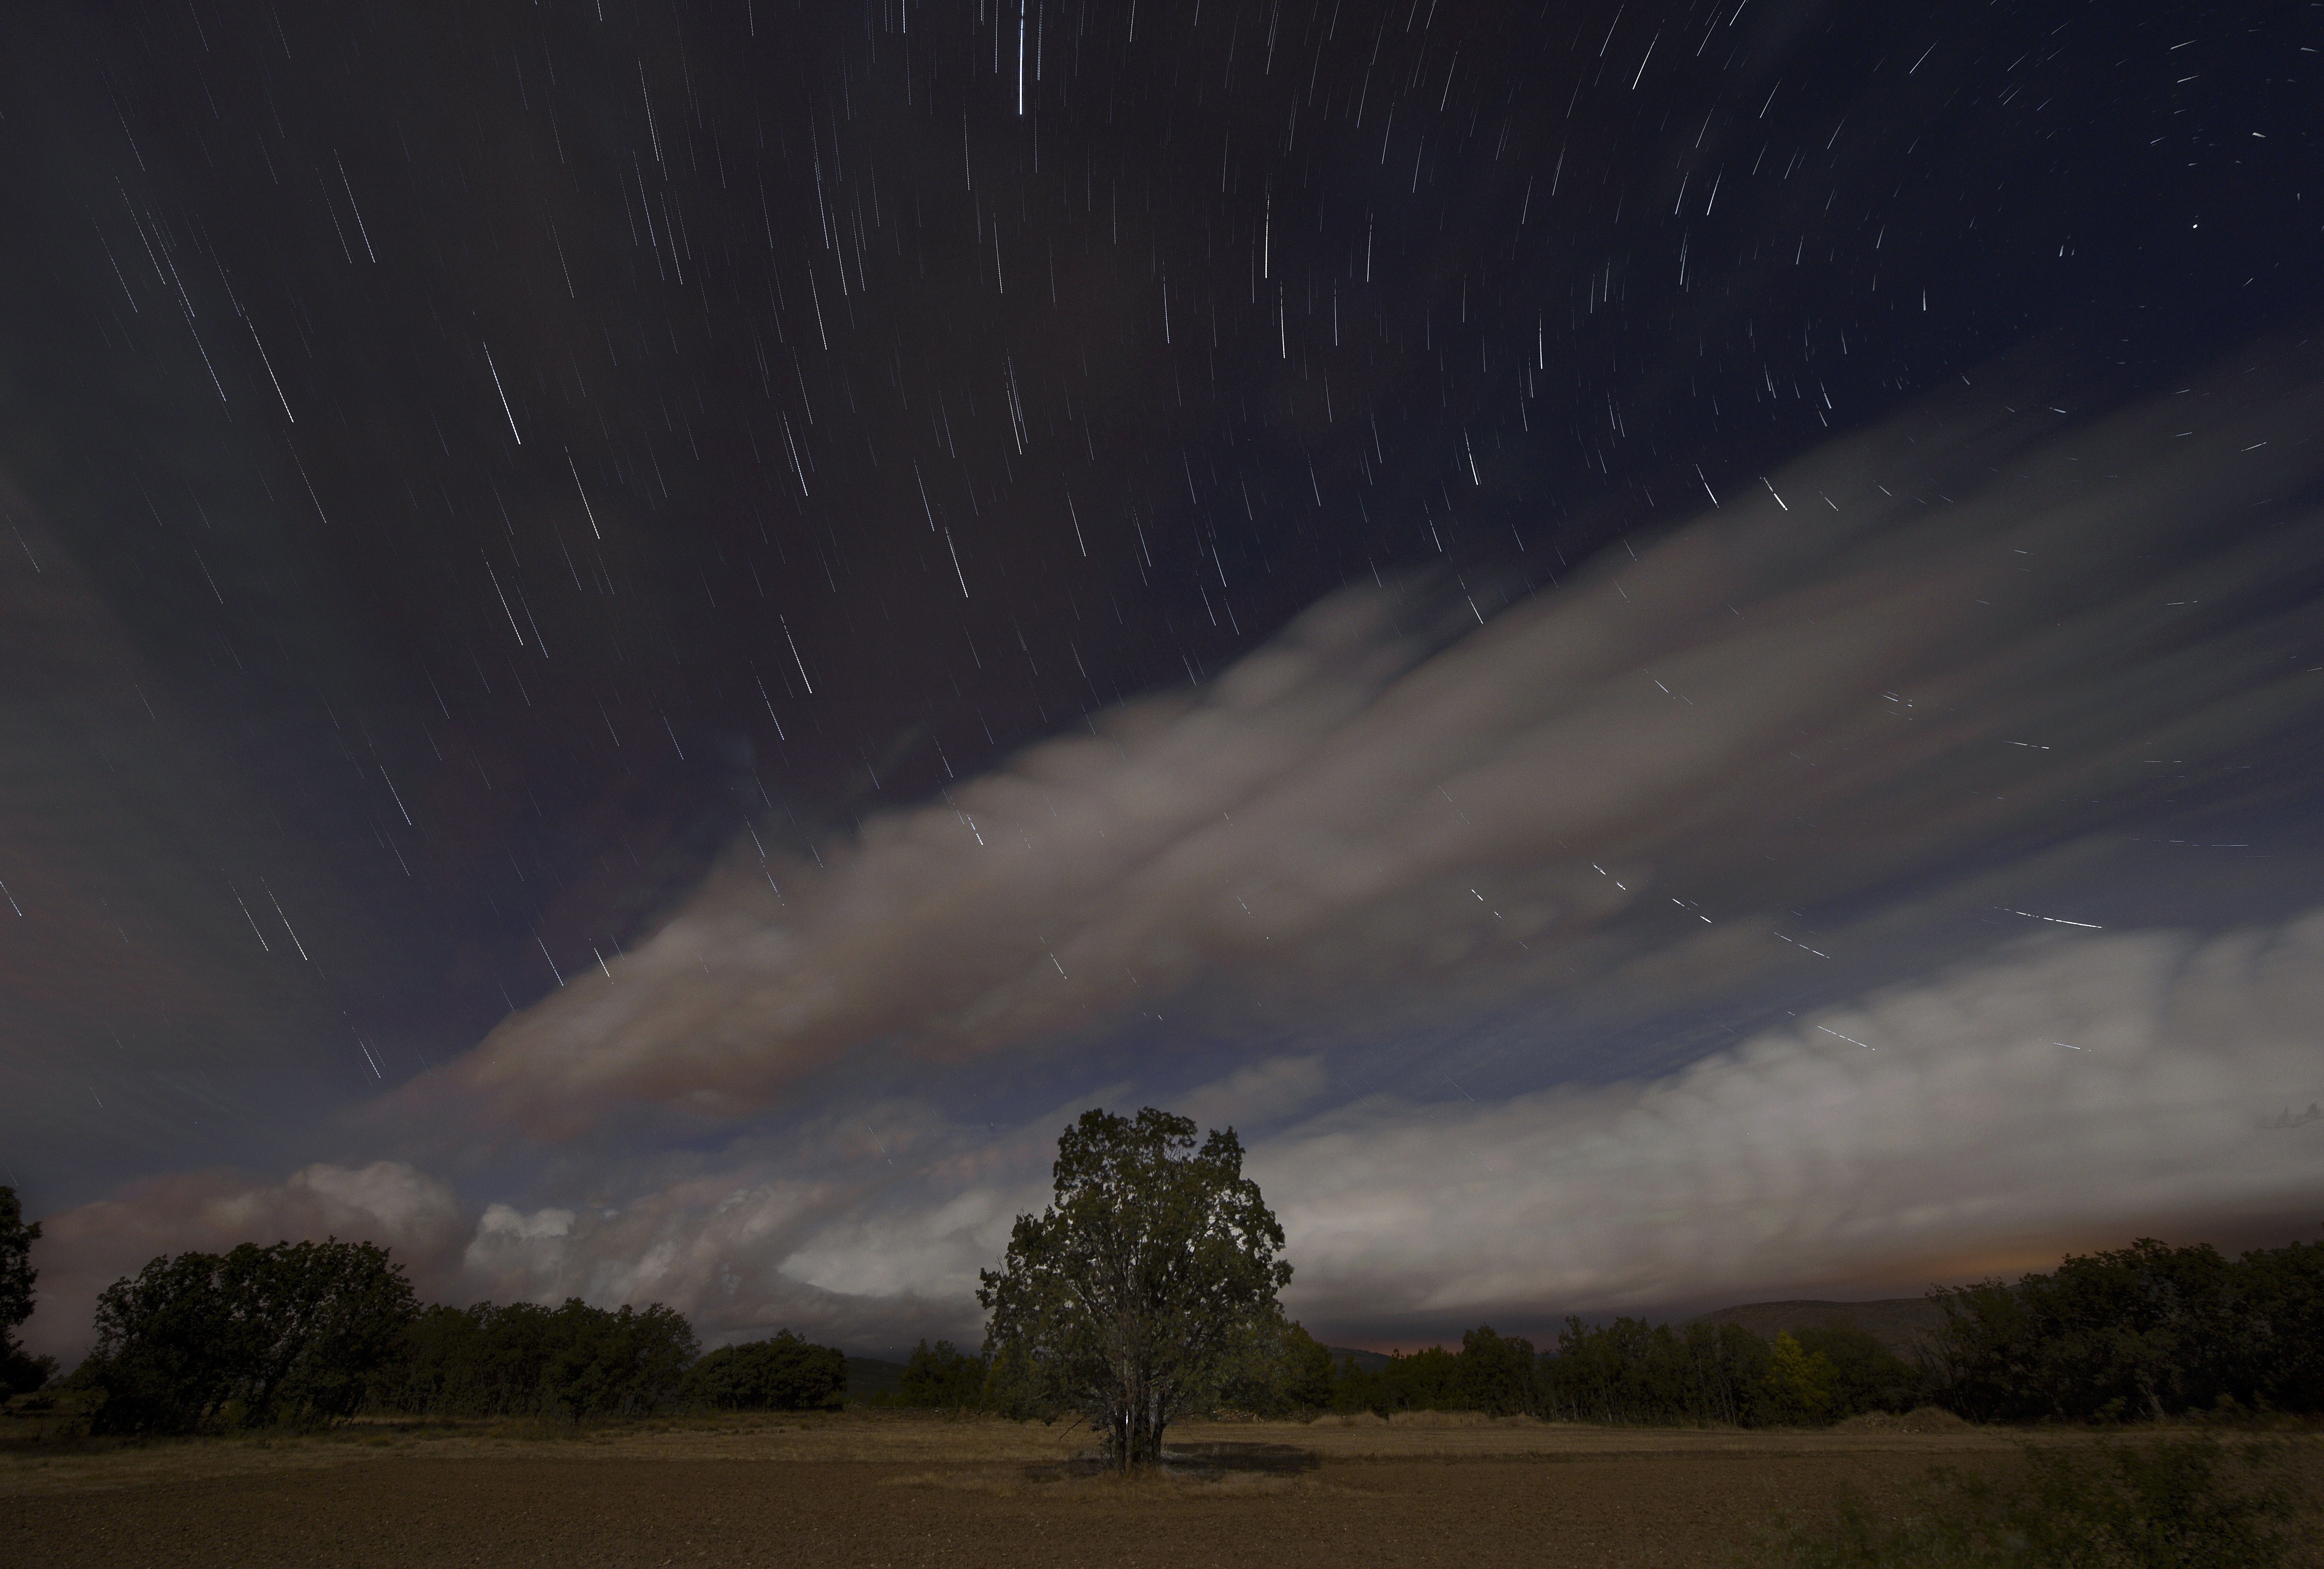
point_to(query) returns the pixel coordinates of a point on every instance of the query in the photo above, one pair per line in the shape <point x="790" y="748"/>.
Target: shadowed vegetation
<point x="2178" y="1503"/>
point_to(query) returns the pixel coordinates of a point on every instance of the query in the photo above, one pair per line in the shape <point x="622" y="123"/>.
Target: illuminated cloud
<point x="86" y="1249"/>
<point x="1819" y="690"/>
<point x="1892" y="654"/>
<point x="2070" y="1091"/>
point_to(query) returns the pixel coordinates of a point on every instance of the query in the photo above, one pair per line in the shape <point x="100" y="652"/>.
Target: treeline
<point x="314" y="1332"/>
<point x="304" y="1333"/>
<point x="1625" y="1372"/>
<point x="2146" y="1331"/>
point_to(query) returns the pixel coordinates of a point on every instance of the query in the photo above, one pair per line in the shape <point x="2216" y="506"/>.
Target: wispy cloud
<point x="2070" y="1090"/>
<point x="1953" y="641"/>
<point x="1909" y="647"/>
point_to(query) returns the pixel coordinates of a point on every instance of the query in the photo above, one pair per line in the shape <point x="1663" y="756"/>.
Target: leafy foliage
<point x="941" y="1377"/>
<point x="295" y="1331"/>
<point x="784" y="1374"/>
<point x="1496" y="1374"/>
<point x="1129" y="1298"/>
<point x="2146" y="1331"/>
<point x="2168" y="1504"/>
<point x="1280" y="1370"/>
<point x="1866" y="1375"/>
<point x="19" y="1370"/>
<point x="525" y="1359"/>
<point x="1632" y="1371"/>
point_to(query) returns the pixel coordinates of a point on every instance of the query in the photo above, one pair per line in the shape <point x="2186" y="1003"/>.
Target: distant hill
<point x="1370" y="1362"/>
<point x="1901" y="1323"/>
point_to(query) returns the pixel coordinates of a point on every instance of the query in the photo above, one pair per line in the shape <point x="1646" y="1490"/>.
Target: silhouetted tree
<point x="294" y="1332"/>
<point x="2144" y="1332"/>
<point x="1497" y="1374"/>
<point x="1306" y="1367"/>
<point x="1866" y="1375"/>
<point x="1799" y="1382"/>
<point x="941" y="1377"/>
<point x="1130" y="1296"/>
<point x="19" y="1370"/>
<point x="784" y="1374"/>
<point x="1632" y="1371"/>
<point x="1281" y="1370"/>
<point x="523" y="1359"/>
<point x="2277" y="1359"/>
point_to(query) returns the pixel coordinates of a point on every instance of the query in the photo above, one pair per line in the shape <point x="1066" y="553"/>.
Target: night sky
<point x="1674" y="651"/>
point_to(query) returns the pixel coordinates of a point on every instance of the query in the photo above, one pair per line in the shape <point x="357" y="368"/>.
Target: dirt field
<point x="881" y="1490"/>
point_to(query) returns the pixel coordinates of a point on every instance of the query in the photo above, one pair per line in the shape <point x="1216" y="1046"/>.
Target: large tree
<point x="1131" y="1294"/>
<point x="295" y="1331"/>
<point x="18" y="1370"/>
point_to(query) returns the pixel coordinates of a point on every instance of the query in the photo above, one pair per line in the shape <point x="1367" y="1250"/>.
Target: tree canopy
<point x="294" y="1331"/>
<point x="526" y="1359"/>
<point x="784" y="1374"/>
<point x="1131" y="1297"/>
<point x="19" y="1372"/>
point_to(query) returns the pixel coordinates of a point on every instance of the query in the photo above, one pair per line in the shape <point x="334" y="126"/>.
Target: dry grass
<point x="936" y="1444"/>
<point x="879" y="1491"/>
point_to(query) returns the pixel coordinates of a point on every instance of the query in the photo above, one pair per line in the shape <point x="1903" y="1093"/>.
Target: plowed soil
<point x="928" y="1492"/>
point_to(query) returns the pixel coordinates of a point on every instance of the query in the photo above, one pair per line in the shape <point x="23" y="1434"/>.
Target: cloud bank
<point x="1967" y="638"/>
<point x="2070" y="1091"/>
<point x="1906" y="648"/>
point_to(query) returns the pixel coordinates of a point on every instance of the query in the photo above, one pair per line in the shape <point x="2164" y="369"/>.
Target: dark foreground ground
<point x="975" y="1494"/>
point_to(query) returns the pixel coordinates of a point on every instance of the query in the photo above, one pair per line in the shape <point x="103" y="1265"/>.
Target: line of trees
<point x="2146" y="1331"/>
<point x="307" y="1333"/>
<point x="314" y="1332"/>
<point x="521" y="1359"/>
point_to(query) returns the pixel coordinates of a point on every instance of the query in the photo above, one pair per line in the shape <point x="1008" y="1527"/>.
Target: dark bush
<point x="1867" y="1376"/>
<point x="940" y="1378"/>
<point x="20" y="1372"/>
<point x="1497" y="1374"/>
<point x="782" y="1374"/>
<point x="525" y="1359"/>
<point x="1632" y="1371"/>
<point x="2141" y="1333"/>
<point x="297" y="1331"/>
<point x="1281" y="1372"/>
<point x="1428" y="1379"/>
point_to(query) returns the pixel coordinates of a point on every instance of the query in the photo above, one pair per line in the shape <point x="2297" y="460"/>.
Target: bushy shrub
<point x="1632" y="1371"/>
<point x="296" y="1331"/>
<point x="941" y="1377"/>
<point x="784" y="1374"/>
<point x="1280" y="1370"/>
<point x="21" y="1372"/>
<point x="2140" y="1332"/>
<point x="1866" y="1375"/>
<point x="524" y="1360"/>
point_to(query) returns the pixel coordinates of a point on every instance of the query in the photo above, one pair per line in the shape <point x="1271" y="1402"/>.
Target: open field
<point x="896" y="1489"/>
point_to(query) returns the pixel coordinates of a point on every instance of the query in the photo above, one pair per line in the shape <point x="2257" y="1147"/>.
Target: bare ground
<point x="894" y="1489"/>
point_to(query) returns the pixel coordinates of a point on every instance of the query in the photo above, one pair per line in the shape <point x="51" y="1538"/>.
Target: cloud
<point x="83" y="1250"/>
<point x="2065" y="1092"/>
<point x="1951" y="643"/>
<point x="1910" y="645"/>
